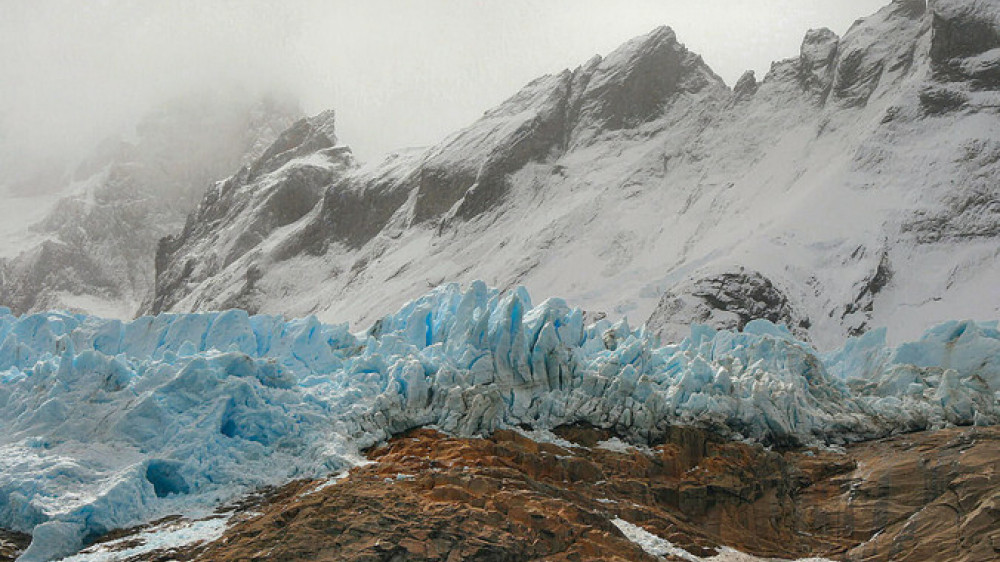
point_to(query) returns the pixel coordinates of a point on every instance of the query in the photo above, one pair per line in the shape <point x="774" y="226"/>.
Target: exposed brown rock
<point x="12" y="544"/>
<point x="428" y="496"/>
<point x="432" y="497"/>
<point x="928" y="496"/>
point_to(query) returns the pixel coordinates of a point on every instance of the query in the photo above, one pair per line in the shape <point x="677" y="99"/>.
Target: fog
<point x="399" y="73"/>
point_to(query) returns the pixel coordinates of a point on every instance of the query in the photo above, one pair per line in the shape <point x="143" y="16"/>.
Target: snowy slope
<point x="855" y="187"/>
<point x="89" y="243"/>
<point x="105" y="424"/>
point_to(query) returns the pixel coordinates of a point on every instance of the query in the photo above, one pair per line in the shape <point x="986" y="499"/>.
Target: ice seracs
<point x="107" y="423"/>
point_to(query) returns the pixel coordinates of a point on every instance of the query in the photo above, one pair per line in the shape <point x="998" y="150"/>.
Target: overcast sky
<point x="399" y="72"/>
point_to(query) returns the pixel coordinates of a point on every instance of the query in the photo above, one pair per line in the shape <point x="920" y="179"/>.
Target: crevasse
<point x="106" y="424"/>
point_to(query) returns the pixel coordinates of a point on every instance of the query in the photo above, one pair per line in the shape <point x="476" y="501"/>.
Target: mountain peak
<point x="636" y="82"/>
<point x="325" y="124"/>
<point x="651" y="45"/>
<point x="663" y="33"/>
<point x="304" y="137"/>
<point x="635" y="174"/>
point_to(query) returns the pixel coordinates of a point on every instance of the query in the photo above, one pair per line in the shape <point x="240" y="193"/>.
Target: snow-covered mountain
<point x="855" y="186"/>
<point x="87" y="241"/>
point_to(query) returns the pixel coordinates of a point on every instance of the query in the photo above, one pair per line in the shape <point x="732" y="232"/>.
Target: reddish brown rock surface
<point x="12" y="544"/>
<point x="427" y="496"/>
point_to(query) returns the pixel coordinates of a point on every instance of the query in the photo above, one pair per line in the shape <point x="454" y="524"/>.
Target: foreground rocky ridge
<point x="853" y="187"/>
<point x="428" y="496"/>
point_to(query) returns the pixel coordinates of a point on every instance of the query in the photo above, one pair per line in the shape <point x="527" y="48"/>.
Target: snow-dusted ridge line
<point x="853" y="186"/>
<point x="106" y="424"/>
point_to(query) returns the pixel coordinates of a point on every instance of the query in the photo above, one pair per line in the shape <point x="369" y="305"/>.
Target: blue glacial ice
<point x="106" y="424"/>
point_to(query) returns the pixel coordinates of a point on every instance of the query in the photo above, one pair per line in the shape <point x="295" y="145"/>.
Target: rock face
<point x="915" y="497"/>
<point x="430" y="497"/>
<point x="727" y="301"/>
<point x="94" y="249"/>
<point x="923" y="496"/>
<point x="963" y="30"/>
<point x="12" y="544"/>
<point x="277" y="189"/>
<point x="637" y="83"/>
<point x="639" y="178"/>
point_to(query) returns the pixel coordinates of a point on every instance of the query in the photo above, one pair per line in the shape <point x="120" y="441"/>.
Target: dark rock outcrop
<point x="963" y="28"/>
<point x="12" y="545"/>
<point x="727" y="301"/>
<point x="817" y="60"/>
<point x="857" y="313"/>
<point x="239" y="213"/>
<point x="965" y="38"/>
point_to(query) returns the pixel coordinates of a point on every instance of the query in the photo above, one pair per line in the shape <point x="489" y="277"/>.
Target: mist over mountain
<point x="399" y="74"/>
<point x="89" y="240"/>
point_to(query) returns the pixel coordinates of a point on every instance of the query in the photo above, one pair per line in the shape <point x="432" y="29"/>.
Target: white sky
<point x="399" y="72"/>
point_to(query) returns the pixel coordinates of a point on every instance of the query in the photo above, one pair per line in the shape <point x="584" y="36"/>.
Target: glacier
<point x="106" y="423"/>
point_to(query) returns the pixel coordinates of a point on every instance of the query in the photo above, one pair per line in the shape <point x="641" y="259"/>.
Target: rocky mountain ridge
<point x="467" y="175"/>
<point x="856" y="181"/>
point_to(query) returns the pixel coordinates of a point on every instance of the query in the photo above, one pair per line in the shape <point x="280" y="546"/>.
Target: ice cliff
<point x="105" y="424"/>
